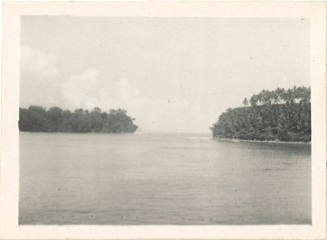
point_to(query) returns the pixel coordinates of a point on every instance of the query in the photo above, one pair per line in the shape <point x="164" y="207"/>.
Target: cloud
<point x="42" y="83"/>
<point x="82" y="90"/>
<point x="155" y="113"/>
<point x="39" y="78"/>
<point x="33" y="61"/>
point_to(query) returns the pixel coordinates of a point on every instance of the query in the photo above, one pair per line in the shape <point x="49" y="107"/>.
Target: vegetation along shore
<point x="279" y="115"/>
<point x="54" y="119"/>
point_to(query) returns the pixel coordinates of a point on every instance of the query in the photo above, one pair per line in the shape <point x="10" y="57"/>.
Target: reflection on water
<point x="161" y="179"/>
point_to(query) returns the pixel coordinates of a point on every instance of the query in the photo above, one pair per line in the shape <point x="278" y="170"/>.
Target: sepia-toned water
<point x="161" y="179"/>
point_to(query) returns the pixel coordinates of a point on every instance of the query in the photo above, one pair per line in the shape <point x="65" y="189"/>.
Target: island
<point x="54" y="119"/>
<point x="279" y="115"/>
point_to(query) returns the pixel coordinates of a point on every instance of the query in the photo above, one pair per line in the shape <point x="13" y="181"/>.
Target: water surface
<point x="161" y="179"/>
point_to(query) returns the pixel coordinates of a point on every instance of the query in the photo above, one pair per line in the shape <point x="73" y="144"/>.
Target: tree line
<point x="281" y="114"/>
<point x="55" y="119"/>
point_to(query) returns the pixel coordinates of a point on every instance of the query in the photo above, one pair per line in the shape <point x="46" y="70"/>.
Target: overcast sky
<point x="171" y="74"/>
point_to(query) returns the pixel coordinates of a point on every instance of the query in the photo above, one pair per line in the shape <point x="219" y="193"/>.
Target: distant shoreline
<point x="258" y="141"/>
<point x="58" y="132"/>
<point x="54" y="119"/>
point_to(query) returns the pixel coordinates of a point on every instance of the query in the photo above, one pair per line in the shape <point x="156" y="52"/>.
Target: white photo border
<point x="315" y="11"/>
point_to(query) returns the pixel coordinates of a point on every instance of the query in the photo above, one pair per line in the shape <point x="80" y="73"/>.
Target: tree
<point x="37" y="118"/>
<point x="254" y="100"/>
<point x="245" y="102"/>
<point x="267" y="119"/>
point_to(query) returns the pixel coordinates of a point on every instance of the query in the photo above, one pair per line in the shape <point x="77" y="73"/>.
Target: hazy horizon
<point x="171" y="74"/>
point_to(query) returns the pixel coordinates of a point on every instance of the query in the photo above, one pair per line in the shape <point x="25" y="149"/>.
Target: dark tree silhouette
<point x="273" y="115"/>
<point x="245" y="102"/>
<point x="38" y="119"/>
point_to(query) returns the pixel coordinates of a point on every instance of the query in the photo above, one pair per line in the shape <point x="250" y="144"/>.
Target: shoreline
<point x="109" y="133"/>
<point x="258" y="141"/>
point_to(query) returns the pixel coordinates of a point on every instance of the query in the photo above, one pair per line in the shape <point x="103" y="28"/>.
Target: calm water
<point x="161" y="179"/>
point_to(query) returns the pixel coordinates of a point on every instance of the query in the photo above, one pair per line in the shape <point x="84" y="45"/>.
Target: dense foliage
<point x="39" y="119"/>
<point x="283" y="115"/>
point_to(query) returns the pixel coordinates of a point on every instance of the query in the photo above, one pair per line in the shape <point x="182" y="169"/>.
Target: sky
<point x="171" y="74"/>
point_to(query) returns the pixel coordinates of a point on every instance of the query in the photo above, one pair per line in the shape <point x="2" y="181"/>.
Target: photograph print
<point x="164" y="121"/>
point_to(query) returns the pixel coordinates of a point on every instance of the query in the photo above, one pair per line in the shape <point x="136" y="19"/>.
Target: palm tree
<point x="245" y="102"/>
